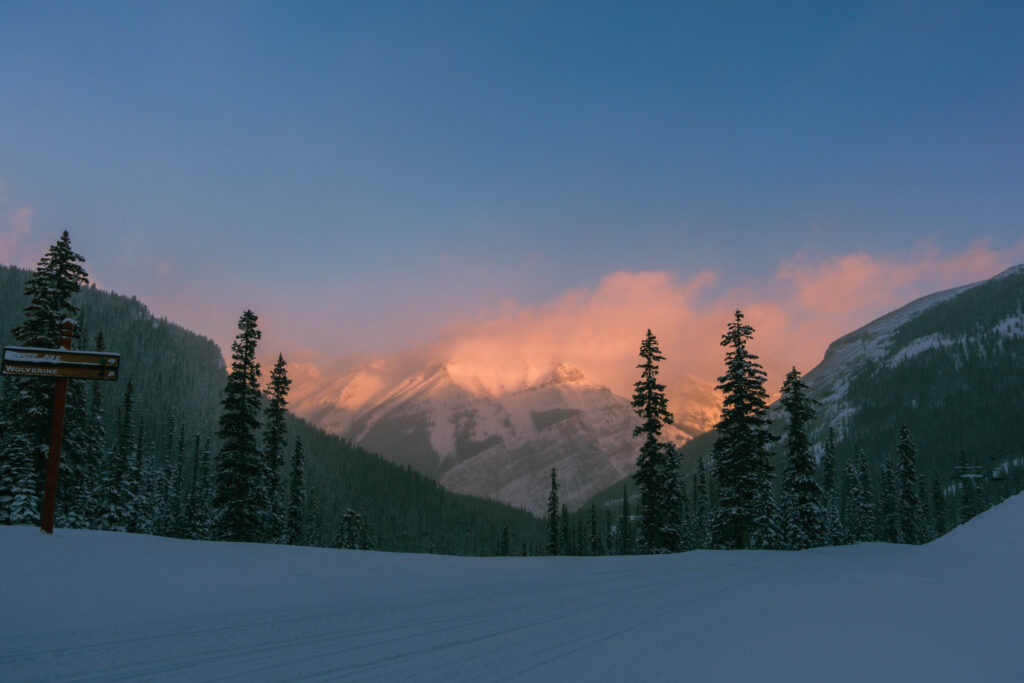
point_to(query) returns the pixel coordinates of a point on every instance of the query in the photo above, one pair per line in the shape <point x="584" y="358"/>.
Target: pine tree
<point x="657" y="472"/>
<point x="924" y="515"/>
<point x="553" y="528"/>
<point x="609" y="546"/>
<point x="95" y="446"/>
<point x="564" y="535"/>
<point x="860" y="506"/>
<point x="120" y="494"/>
<point x="702" y="505"/>
<point x="27" y="401"/>
<point x="834" y="532"/>
<point x="274" y="436"/>
<point x="802" y="494"/>
<point x="911" y="521"/>
<point x="237" y="499"/>
<point x="741" y="468"/>
<point x="505" y="544"/>
<point x="314" y="522"/>
<point x="296" y="496"/>
<point x="889" y="520"/>
<point x="625" y="531"/>
<point x="596" y="546"/>
<point x="353" y="532"/>
<point x="939" y="523"/>
<point x="768" y="530"/>
<point x="198" y="506"/>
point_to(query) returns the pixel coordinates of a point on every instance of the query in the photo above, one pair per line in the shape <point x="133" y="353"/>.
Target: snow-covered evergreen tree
<point x="835" y="534"/>
<point x="564" y="534"/>
<point x="911" y="521"/>
<point x="237" y="500"/>
<point x="701" y="505"/>
<point x="274" y="436"/>
<point x="314" y="521"/>
<point x="198" y="517"/>
<point x="801" y="493"/>
<point x="890" y="528"/>
<point x="939" y="524"/>
<point x="596" y="545"/>
<point x="624" y="531"/>
<point x="552" y="516"/>
<point x="657" y="472"/>
<point x="860" y="500"/>
<point x="768" y="529"/>
<point x="120" y="494"/>
<point x="505" y="543"/>
<point x="296" y="497"/>
<point x="27" y="401"/>
<point x="353" y="532"/>
<point x="741" y="469"/>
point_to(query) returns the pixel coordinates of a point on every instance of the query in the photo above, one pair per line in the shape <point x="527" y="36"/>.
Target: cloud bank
<point x="805" y="305"/>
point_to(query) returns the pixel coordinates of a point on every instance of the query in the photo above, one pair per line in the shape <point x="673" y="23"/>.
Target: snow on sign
<point x="60" y="364"/>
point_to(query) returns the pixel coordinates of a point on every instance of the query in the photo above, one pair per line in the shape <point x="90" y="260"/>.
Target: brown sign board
<point x="60" y="363"/>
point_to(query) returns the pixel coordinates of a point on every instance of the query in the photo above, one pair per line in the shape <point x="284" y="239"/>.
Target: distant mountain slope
<point x="179" y="380"/>
<point x="950" y="366"/>
<point x="498" y="444"/>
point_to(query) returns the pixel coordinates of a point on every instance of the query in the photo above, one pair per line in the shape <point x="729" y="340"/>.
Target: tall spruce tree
<point x="624" y="532"/>
<point x="274" y="435"/>
<point x="120" y="495"/>
<point x="296" y="497"/>
<point x="596" y="546"/>
<point x="741" y="468"/>
<point x="860" y="500"/>
<point x="911" y="520"/>
<point x="657" y="470"/>
<point x="564" y="532"/>
<point x="198" y="522"/>
<point x="552" y="517"/>
<point x="939" y="523"/>
<point x="834" y="532"/>
<point x="890" y="525"/>
<point x="27" y="401"/>
<point x="801" y="493"/>
<point x="237" y="500"/>
<point x="702" y="505"/>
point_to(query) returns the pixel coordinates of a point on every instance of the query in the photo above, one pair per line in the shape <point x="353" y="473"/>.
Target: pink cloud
<point x="805" y="305"/>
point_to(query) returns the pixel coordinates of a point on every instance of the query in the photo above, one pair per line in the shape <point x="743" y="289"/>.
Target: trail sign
<point x="60" y="364"/>
<point x="28" y="361"/>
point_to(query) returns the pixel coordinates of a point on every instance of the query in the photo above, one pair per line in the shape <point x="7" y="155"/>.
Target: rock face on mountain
<point x="497" y="444"/>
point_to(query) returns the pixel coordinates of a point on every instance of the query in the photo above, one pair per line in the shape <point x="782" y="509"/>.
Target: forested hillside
<point x="178" y="380"/>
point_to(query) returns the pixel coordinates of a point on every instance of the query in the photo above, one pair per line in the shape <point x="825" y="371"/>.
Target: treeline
<point x="153" y="454"/>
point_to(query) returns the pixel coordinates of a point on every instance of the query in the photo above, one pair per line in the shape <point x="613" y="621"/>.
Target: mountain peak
<point x="563" y="373"/>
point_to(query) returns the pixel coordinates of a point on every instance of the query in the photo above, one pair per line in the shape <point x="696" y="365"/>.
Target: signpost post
<point x="61" y="364"/>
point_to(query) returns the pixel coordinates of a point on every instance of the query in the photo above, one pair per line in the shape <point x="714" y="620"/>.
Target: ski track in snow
<point x="95" y="606"/>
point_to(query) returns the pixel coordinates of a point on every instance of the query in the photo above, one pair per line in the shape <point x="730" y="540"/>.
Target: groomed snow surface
<point x="88" y="605"/>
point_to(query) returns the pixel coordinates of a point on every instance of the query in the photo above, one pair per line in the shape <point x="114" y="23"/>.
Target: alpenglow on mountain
<point x="472" y="439"/>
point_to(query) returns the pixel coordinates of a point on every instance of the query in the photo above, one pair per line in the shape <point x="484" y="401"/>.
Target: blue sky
<point x="411" y="163"/>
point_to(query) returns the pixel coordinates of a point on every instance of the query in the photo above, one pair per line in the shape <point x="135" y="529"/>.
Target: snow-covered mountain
<point x="497" y="442"/>
<point x="954" y="322"/>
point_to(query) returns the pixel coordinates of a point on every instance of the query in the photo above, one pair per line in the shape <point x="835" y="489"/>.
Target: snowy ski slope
<point x="86" y="605"/>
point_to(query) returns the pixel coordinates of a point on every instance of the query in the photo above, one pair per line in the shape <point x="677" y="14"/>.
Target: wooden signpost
<point x="60" y="364"/>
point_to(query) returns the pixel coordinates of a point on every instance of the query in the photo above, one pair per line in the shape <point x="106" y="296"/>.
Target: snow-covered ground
<point x="88" y="605"/>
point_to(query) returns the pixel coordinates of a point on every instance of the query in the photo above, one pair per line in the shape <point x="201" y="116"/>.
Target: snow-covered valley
<point x="88" y="605"/>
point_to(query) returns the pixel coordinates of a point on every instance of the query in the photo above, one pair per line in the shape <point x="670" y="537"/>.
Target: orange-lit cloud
<point x="805" y="305"/>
